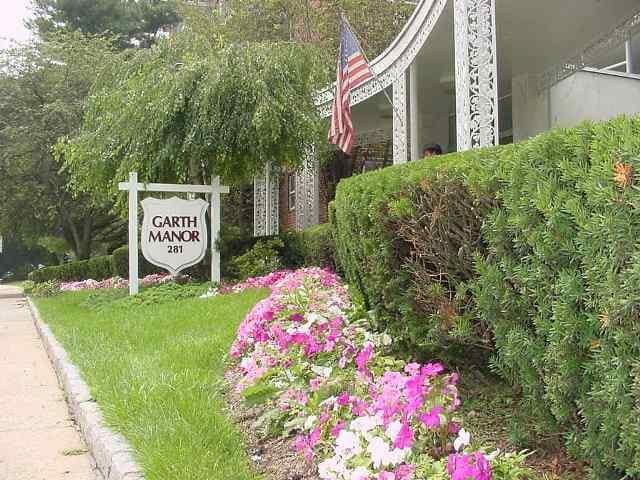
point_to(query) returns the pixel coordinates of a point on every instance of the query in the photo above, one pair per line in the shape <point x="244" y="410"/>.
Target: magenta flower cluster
<point x="114" y="282"/>
<point x="359" y="413"/>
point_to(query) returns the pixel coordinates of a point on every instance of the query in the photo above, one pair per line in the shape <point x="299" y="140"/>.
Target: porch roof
<point x="532" y="37"/>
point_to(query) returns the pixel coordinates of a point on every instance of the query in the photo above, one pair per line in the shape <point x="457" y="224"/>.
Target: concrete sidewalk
<point x="38" y="439"/>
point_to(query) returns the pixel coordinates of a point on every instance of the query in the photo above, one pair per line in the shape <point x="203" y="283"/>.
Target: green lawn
<point x="155" y="368"/>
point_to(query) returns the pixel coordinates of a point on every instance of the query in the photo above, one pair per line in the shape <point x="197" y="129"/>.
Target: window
<point x="291" y="194"/>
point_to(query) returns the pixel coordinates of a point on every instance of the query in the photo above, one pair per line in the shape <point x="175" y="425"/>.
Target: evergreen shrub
<point x="120" y="264"/>
<point x="552" y="282"/>
<point x="319" y="247"/>
<point x="97" y="268"/>
<point x="262" y="259"/>
<point x="560" y="287"/>
<point x="406" y="238"/>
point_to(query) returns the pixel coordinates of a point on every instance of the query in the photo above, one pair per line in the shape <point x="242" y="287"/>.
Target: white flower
<point x="364" y="424"/>
<point x="493" y="455"/>
<point x="382" y="454"/>
<point x="464" y="439"/>
<point x="329" y="401"/>
<point x="331" y="468"/>
<point x="212" y="292"/>
<point x="393" y="429"/>
<point x="386" y="339"/>
<point x="379" y="451"/>
<point x="347" y="444"/>
<point x="324" y="372"/>
<point x="314" y="317"/>
<point x="397" y="456"/>
<point x="310" y="422"/>
<point x="360" y="473"/>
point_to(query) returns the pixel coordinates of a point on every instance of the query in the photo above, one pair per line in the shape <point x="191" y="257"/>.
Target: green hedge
<point x="314" y="246"/>
<point x="561" y="287"/>
<point x="369" y="213"/>
<point x="555" y="282"/>
<point x="97" y="268"/>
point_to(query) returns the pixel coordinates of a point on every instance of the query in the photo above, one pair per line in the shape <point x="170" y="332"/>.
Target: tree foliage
<point x="132" y="22"/>
<point x="42" y="90"/>
<point x="181" y="113"/>
<point x="375" y="22"/>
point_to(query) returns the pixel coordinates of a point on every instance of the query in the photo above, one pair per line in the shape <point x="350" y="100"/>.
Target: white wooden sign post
<point x="173" y="227"/>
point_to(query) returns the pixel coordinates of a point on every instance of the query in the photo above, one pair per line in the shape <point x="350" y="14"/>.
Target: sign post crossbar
<point x="133" y="187"/>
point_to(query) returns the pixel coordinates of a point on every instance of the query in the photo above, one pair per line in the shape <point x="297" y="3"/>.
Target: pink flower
<point x="405" y="437"/>
<point x="412" y="368"/>
<point x="359" y="407"/>
<point x="343" y="399"/>
<point x="314" y="437"/>
<point x="405" y="471"/>
<point x="296" y="317"/>
<point x="431" y="419"/>
<point x="432" y="369"/>
<point x="384" y="475"/>
<point x="335" y="431"/>
<point x="469" y="467"/>
<point x="364" y="357"/>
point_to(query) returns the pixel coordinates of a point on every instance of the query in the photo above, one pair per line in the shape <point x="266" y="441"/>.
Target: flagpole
<point x="375" y="76"/>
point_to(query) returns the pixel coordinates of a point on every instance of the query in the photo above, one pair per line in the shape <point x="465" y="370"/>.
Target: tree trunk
<point x="84" y="249"/>
<point x="80" y="240"/>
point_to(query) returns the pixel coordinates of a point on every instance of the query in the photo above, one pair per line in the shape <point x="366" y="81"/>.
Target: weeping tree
<point x="190" y="108"/>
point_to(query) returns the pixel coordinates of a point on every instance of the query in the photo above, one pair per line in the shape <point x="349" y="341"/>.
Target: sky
<point x="12" y="14"/>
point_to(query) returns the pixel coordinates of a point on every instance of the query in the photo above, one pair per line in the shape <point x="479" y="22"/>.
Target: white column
<point x="476" y="73"/>
<point x="133" y="233"/>
<point x="259" y="206"/>
<point x="628" y="50"/>
<point x="308" y="192"/>
<point x="414" y="113"/>
<point x="400" y="119"/>
<point x="266" y="202"/>
<point x="215" y="229"/>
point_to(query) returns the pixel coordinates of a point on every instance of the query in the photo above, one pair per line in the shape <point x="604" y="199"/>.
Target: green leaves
<point x="177" y="117"/>
<point x="259" y="394"/>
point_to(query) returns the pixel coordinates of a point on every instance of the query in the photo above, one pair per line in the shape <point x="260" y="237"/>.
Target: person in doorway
<point x="431" y="150"/>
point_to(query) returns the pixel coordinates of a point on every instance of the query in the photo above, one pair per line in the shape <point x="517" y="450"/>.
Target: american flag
<point x="352" y="71"/>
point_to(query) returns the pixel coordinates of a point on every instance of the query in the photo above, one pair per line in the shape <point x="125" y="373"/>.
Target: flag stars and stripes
<point x="352" y="71"/>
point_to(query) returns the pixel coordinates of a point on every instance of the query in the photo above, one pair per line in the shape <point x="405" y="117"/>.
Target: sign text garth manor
<point x="189" y="230"/>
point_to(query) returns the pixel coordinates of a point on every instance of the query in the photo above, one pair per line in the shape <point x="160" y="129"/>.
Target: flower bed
<point x="306" y="355"/>
<point x="114" y="282"/>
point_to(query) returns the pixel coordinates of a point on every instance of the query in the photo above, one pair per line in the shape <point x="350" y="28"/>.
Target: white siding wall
<point x="586" y="95"/>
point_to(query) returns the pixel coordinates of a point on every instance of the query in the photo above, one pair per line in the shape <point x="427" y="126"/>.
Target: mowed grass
<point x="156" y="371"/>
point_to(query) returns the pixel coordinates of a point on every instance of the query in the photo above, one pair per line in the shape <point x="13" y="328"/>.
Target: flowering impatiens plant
<point x="307" y="355"/>
<point x="114" y="282"/>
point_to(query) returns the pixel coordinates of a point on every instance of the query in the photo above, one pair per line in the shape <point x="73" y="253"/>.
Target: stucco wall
<point x="586" y="95"/>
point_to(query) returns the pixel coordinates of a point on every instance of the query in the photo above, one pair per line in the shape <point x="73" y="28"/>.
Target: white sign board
<point x="174" y="232"/>
<point x="179" y="257"/>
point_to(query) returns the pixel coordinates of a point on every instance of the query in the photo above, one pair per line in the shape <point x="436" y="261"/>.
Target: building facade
<point x="467" y="74"/>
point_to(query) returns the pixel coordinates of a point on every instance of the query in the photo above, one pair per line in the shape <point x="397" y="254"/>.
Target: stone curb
<point x="112" y="454"/>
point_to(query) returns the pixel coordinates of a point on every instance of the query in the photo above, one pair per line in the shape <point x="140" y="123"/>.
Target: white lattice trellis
<point x="308" y="192"/>
<point x="266" y="206"/>
<point x="476" y="73"/>
<point x="400" y="139"/>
